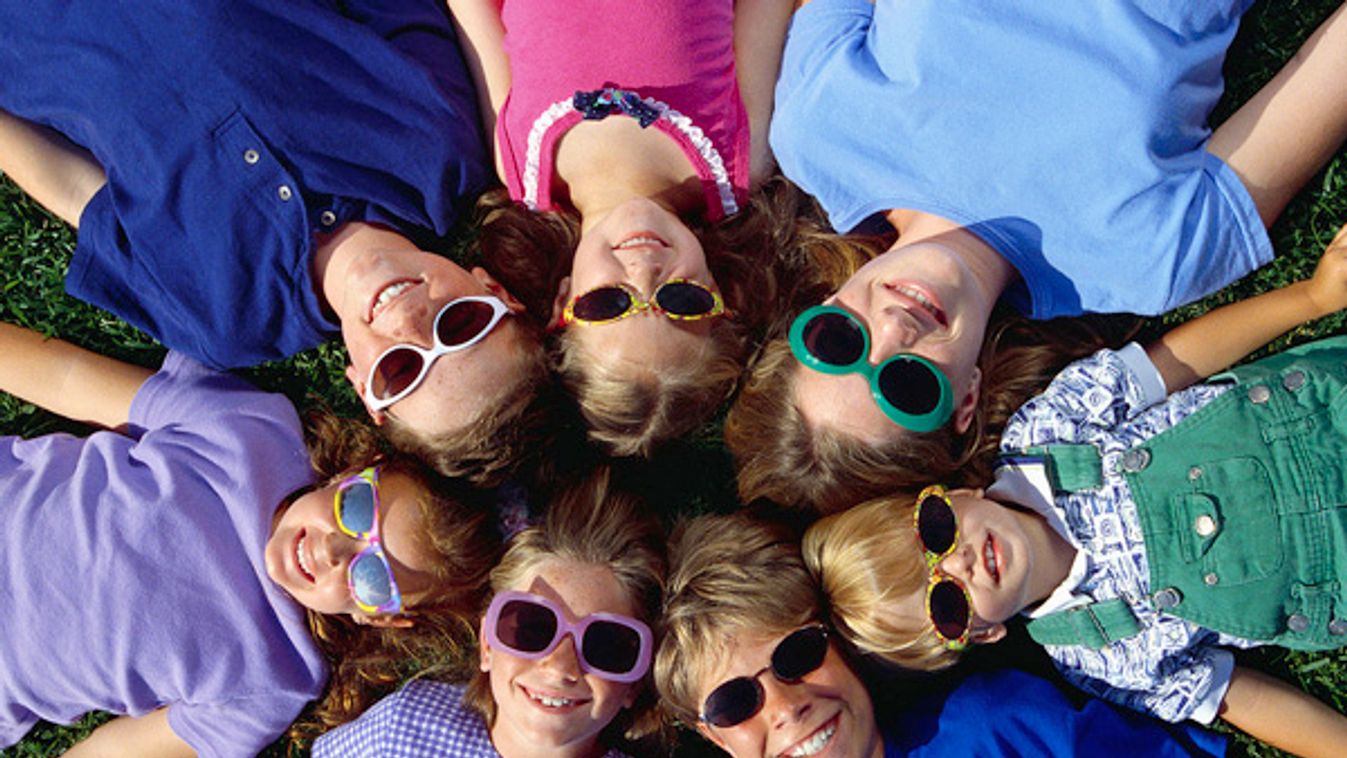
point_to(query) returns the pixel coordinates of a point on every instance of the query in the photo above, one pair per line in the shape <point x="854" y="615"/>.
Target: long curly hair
<point x="779" y="457"/>
<point x="367" y="661"/>
<point x="752" y="255"/>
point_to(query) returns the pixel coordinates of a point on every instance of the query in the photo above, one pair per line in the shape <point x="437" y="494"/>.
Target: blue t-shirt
<point x="231" y="132"/>
<point x="1011" y="713"/>
<point x="132" y="573"/>
<point x="1070" y="136"/>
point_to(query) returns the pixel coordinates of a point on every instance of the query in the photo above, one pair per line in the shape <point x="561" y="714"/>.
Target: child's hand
<point x="1328" y="286"/>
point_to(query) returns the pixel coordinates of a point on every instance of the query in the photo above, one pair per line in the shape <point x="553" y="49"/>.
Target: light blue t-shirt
<point x="131" y="571"/>
<point x="1070" y="136"/>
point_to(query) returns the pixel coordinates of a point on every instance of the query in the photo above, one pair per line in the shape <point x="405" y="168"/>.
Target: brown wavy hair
<point x="779" y="457"/>
<point x="751" y="255"/>
<point x="366" y="661"/>
<point x="504" y="438"/>
<point x="596" y="524"/>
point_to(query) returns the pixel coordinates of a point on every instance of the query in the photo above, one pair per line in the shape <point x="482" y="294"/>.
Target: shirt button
<point x="1259" y="394"/>
<point x="327" y="218"/>
<point x="1205" y="526"/>
<point x="1136" y="460"/>
<point x="284" y="192"/>
<point x="1194" y="473"/>
<point x="251" y="156"/>
<point x="1167" y="598"/>
<point x="1298" y="622"/>
<point x="1337" y="626"/>
<point x="1211" y="580"/>
<point x="1294" y="380"/>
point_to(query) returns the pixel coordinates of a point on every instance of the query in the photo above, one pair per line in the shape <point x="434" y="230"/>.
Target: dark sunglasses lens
<point x="462" y="322"/>
<point x="526" y="627"/>
<point x="801" y="652"/>
<point x="369" y="580"/>
<point x="602" y="304"/>
<point x="733" y="702"/>
<point x="395" y="372"/>
<point x="834" y="339"/>
<point x="910" y="386"/>
<point x="611" y="647"/>
<point x="685" y="299"/>
<point x="936" y="524"/>
<point x="357" y="507"/>
<point x="949" y="610"/>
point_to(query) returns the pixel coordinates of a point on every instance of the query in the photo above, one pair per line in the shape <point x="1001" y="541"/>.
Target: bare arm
<point x="483" y="38"/>
<point x="147" y="736"/>
<point x="1286" y="132"/>
<point x="55" y="172"/>
<point x="66" y="379"/>
<point x="1281" y="715"/>
<point x="759" y="36"/>
<point x="1209" y="343"/>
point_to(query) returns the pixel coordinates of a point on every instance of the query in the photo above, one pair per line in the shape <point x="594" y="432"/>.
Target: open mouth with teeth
<point x="640" y="239"/>
<point x="553" y="702"/>
<point x="814" y="743"/>
<point x="302" y="559"/>
<point x="923" y="300"/>
<point x="387" y="294"/>
<point x="989" y="559"/>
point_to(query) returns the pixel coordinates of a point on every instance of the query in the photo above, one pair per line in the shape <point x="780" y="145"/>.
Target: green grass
<point x="35" y="250"/>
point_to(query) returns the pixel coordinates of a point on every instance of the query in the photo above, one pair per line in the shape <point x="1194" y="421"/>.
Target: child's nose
<point x="959" y="564"/>
<point x="563" y="659"/>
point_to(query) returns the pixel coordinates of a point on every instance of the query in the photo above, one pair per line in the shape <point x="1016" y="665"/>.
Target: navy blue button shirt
<point x="233" y="130"/>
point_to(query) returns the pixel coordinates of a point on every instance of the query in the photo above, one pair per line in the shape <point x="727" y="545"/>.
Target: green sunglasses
<point x="913" y="392"/>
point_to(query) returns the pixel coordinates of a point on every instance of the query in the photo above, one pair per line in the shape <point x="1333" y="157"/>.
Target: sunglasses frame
<point x="499" y="310"/>
<point x="926" y="422"/>
<point x="933" y="560"/>
<point x="576" y="631"/>
<point x="369" y="476"/>
<point x="639" y="304"/>
<point x="761" y="694"/>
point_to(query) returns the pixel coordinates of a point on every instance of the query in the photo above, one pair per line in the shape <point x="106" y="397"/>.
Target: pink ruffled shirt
<point x="677" y="55"/>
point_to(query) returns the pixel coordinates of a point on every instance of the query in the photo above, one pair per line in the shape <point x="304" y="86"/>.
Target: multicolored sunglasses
<point x="369" y="574"/>
<point x="948" y="603"/>
<point x="677" y="299"/>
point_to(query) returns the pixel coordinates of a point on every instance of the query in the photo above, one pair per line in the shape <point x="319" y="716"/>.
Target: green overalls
<point x="1243" y="507"/>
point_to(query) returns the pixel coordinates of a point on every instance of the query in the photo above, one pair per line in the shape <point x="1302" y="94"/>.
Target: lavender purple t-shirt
<point x="131" y="573"/>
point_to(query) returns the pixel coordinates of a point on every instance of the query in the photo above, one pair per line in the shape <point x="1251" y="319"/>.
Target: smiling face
<point x="642" y="244"/>
<point x="828" y="713"/>
<point x="386" y="292"/>
<point x="307" y="553"/>
<point x="920" y="298"/>
<point x="551" y="704"/>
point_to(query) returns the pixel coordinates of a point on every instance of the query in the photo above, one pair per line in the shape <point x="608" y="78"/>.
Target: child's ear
<point x="986" y="635"/>
<point x="496" y="288"/>
<point x="968" y="402"/>
<point x="707" y="732"/>
<point x="385" y="622"/>
<point x="483" y="649"/>
<point x="559" y="304"/>
<point x="358" y="384"/>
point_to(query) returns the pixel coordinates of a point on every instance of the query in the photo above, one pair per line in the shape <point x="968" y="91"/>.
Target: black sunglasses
<point x="796" y="656"/>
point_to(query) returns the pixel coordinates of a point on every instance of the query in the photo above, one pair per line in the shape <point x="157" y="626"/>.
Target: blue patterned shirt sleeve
<point x="1111" y="400"/>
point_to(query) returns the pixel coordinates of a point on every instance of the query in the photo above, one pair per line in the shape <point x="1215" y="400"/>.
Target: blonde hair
<point x="593" y="524"/>
<point x="867" y="559"/>
<point x="368" y="661"/>
<point x="731" y="575"/>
